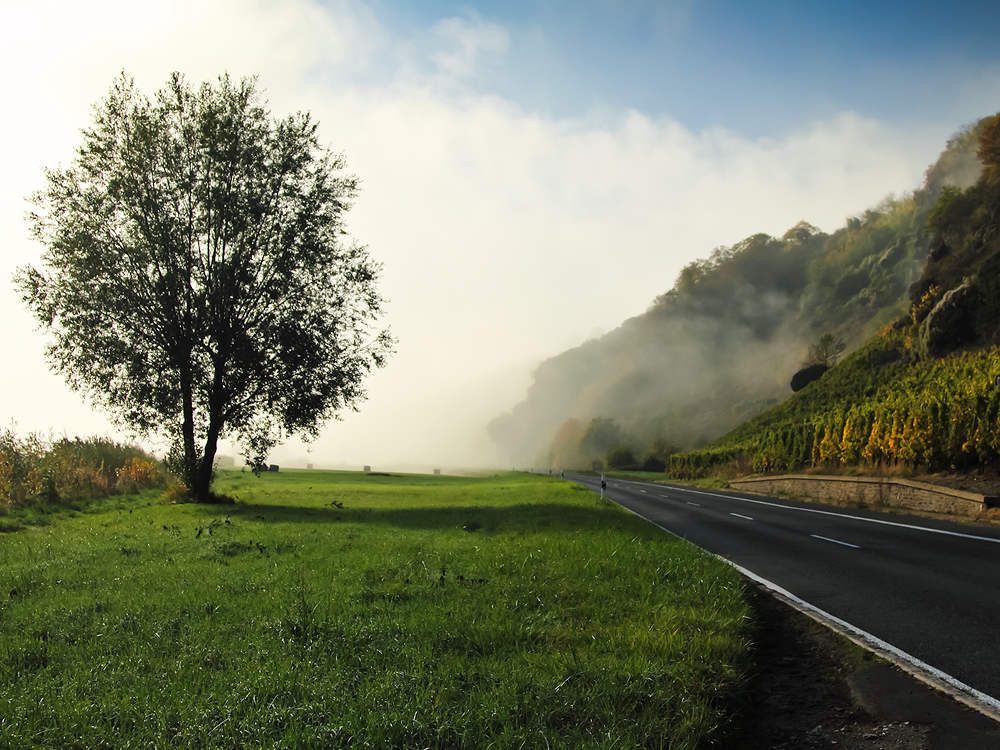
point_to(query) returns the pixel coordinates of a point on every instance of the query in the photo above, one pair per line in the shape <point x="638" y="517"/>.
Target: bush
<point x="652" y="463"/>
<point x="807" y="375"/>
<point x="22" y="474"/>
<point x="619" y="457"/>
<point x="34" y="470"/>
<point x="138" y="474"/>
<point x="176" y="493"/>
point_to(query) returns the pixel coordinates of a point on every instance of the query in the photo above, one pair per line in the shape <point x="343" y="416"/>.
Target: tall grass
<point x="336" y="610"/>
<point x="38" y="470"/>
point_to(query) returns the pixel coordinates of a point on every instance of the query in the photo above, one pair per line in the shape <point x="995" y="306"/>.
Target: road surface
<point x="929" y="588"/>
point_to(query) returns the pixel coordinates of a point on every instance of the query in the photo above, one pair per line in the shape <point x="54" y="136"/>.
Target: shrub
<point x="140" y="473"/>
<point x="619" y="457"/>
<point x="176" y="493"/>
<point x="20" y="469"/>
<point x="35" y="470"/>
<point x="807" y="375"/>
<point x="652" y="463"/>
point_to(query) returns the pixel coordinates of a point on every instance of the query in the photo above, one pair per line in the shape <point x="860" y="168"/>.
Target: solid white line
<point x="975" y="698"/>
<point x="839" y="515"/>
<point x="739" y="516"/>
<point x="835" y="541"/>
<point x="979" y="699"/>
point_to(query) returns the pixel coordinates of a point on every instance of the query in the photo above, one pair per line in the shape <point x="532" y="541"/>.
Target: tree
<point x="827" y="350"/>
<point x="800" y="233"/>
<point x="989" y="147"/>
<point x="196" y="282"/>
<point x="601" y="435"/>
<point x="619" y="457"/>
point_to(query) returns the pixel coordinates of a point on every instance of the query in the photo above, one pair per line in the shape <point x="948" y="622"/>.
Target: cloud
<point x="462" y="43"/>
<point x="506" y="235"/>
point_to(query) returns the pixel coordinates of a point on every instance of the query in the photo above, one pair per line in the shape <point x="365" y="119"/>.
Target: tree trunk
<point x="216" y="422"/>
<point x="207" y="465"/>
<point x="197" y="492"/>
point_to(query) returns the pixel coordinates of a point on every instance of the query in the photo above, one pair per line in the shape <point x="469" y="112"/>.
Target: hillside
<point x="881" y="407"/>
<point x="925" y="391"/>
<point x="722" y="345"/>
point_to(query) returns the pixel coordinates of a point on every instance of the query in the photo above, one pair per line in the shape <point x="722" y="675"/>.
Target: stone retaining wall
<point x="853" y="491"/>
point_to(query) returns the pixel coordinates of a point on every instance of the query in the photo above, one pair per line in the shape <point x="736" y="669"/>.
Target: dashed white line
<point x="835" y="541"/>
<point x="966" y="694"/>
<point x="697" y="505"/>
<point x="840" y="515"/>
<point x="739" y="516"/>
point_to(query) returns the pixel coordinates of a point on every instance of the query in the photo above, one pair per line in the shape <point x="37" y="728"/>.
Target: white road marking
<point x="838" y="515"/>
<point x="695" y="504"/>
<point x="958" y="689"/>
<point x="835" y="541"/>
<point x="739" y="516"/>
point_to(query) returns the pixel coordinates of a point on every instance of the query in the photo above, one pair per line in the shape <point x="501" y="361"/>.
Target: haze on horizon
<point x="533" y="172"/>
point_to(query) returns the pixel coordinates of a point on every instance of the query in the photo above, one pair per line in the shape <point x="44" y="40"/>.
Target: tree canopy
<point x="196" y="281"/>
<point x="827" y="350"/>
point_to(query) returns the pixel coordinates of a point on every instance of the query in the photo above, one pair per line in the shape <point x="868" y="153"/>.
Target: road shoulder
<point x="812" y="688"/>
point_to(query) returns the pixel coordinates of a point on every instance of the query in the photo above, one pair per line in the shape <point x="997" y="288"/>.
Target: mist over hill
<point x="723" y="343"/>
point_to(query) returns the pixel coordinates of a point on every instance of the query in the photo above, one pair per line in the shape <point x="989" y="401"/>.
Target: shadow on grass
<point x="507" y="519"/>
<point x="46" y="513"/>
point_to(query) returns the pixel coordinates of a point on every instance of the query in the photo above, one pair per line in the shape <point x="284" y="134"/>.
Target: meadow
<point x="334" y="609"/>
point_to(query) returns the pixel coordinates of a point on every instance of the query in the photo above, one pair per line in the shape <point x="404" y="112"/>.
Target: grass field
<point x="709" y="482"/>
<point x="329" y="609"/>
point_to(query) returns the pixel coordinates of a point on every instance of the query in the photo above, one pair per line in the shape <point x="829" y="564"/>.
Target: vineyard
<point x="878" y="408"/>
<point x="922" y="394"/>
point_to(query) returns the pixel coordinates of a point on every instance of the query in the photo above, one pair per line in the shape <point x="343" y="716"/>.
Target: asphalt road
<point x="929" y="588"/>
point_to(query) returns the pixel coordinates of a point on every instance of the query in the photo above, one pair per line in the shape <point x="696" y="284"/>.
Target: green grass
<point x="641" y="476"/>
<point x="708" y="482"/>
<point x="427" y="611"/>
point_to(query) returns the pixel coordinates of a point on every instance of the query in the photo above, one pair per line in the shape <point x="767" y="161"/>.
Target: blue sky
<point x="758" y="68"/>
<point x="533" y="172"/>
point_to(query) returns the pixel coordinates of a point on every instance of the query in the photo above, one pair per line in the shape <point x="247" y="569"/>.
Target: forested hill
<point x="722" y="345"/>
<point x="925" y="390"/>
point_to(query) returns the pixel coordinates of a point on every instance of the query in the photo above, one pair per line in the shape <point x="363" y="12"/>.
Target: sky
<point x="534" y="172"/>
